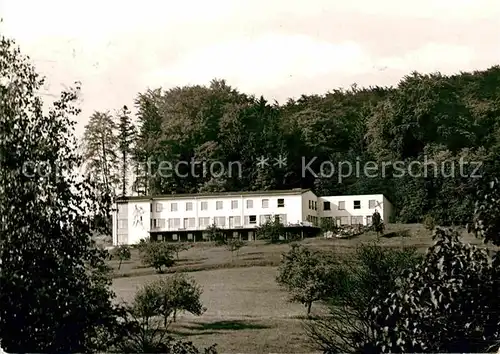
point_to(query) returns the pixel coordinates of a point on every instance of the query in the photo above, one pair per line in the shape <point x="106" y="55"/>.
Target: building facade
<point x="186" y="217"/>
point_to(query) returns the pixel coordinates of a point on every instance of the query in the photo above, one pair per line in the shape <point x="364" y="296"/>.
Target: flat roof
<point x="297" y="191"/>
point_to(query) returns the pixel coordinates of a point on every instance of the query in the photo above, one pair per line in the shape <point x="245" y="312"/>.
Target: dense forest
<point x="451" y="123"/>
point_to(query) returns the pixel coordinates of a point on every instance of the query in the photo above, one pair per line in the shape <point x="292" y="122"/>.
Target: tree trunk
<point x="120" y="264"/>
<point x="309" y="304"/>
<point x="175" y="315"/>
<point x="124" y="173"/>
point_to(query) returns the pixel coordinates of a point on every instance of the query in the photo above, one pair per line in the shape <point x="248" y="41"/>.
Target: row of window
<point x="355" y="220"/>
<point x="341" y="206"/>
<point x="205" y="236"/>
<point x="204" y="222"/>
<point x="219" y="205"/>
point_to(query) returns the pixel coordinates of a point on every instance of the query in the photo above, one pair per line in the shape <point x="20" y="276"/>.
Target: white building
<point x="185" y="217"/>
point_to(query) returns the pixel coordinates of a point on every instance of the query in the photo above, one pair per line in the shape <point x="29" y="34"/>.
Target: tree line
<point x="449" y="123"/>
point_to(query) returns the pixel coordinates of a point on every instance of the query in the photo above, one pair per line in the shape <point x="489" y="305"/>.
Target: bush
<point x="216" y="235"/>
<point x="157" y="255"/>
<point x="272" y="230"/>
<point x="234" y="244"/>
<point x="122" y="252"/>
<point x="141" y="334"/>
<point x="455" y="289"/>
<point x="429" y="222"/>
<point x="169" y="296"/>
<point x="365" y="279"/>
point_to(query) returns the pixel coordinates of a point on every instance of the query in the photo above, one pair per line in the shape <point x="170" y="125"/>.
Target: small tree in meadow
<point x="157" y="255"/>
<point x="308" y="276"/>
<point x="234" y="245"/>
<point x="168" y="296"/>
<point x="179" y="247"/>
<point x="215" y="234"/>
<point x="122" y="252"/>
<point x="272" y="231"/>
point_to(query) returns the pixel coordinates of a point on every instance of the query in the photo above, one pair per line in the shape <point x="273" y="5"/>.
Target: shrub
<point x="272" y="231"/>
<point x="365" y="279"/>
<point x="141" y="334"/>
<point x="122" y="252"/>
<point x="429" y="222"/>
<point x="157" y="255"/>
<point x="234" y="244"/>
<point x="448" y="303"/>
<point x="216" y="235"/>
<point x="169" y="296"/>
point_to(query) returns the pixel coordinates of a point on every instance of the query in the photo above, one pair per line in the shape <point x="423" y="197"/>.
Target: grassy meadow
<point x="246" y="309"/>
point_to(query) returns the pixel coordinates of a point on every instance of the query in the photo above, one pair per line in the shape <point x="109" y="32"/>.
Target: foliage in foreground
<point x="448" y="303"/>
<point x="365" y="279"/>
<point x="54" y="294"/>
<point x="141" y="332"/>
<point x="307" y="275"/>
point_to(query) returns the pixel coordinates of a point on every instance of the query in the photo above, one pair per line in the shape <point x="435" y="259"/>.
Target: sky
<point x="279" y="49"/>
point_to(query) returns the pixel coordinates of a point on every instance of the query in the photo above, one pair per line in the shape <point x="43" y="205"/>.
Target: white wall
<point x="137" y="228"/>
<point x="306" y="210"/>
<point x="292" y="209"/>
<point x="349" y="210"/>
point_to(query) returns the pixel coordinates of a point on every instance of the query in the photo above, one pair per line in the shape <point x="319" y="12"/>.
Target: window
<point x="159" y="207"/>
<point x="264" y="219"/>
<point x="218" y="205"/>
<point x="205" y="235"/>
<point x="249" y="204"/>
<point x="281" y="218"/>
<point x="265" y="203"/>
<point x="326" y="206"/>
<point x="250" y="219"/>
<point x="204" y="206"/>
<point x="234" y="204"/>
<point x="122" y="223"/>
<point x="151" y="207"/>
<point x="342" y="207"/>
<point x="368" y="220"/>
<point x="158" y="223"/>
<point x="236" y="234"/>
<point x="174" y="237"/>
<point x="372" y="203"/>
<point x="220" y="220"/>
<point x="189" y="223"/>
<point x="310" y="204"/>
<point x="173" y="207"/>
<point x="356" y="220"/>
<point x="357" y="204"/>
<point x="281" y="203"/>
<point x="189" y="206"/>
<point x="234" y="221"/>
<point x="190" y="236"/>
<point x="344" y="220"/>
<point x="204" y="222"/>
<point x="174" y="223"/>
<point x="160" y="238"/>
<point x="315" y="205"/>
